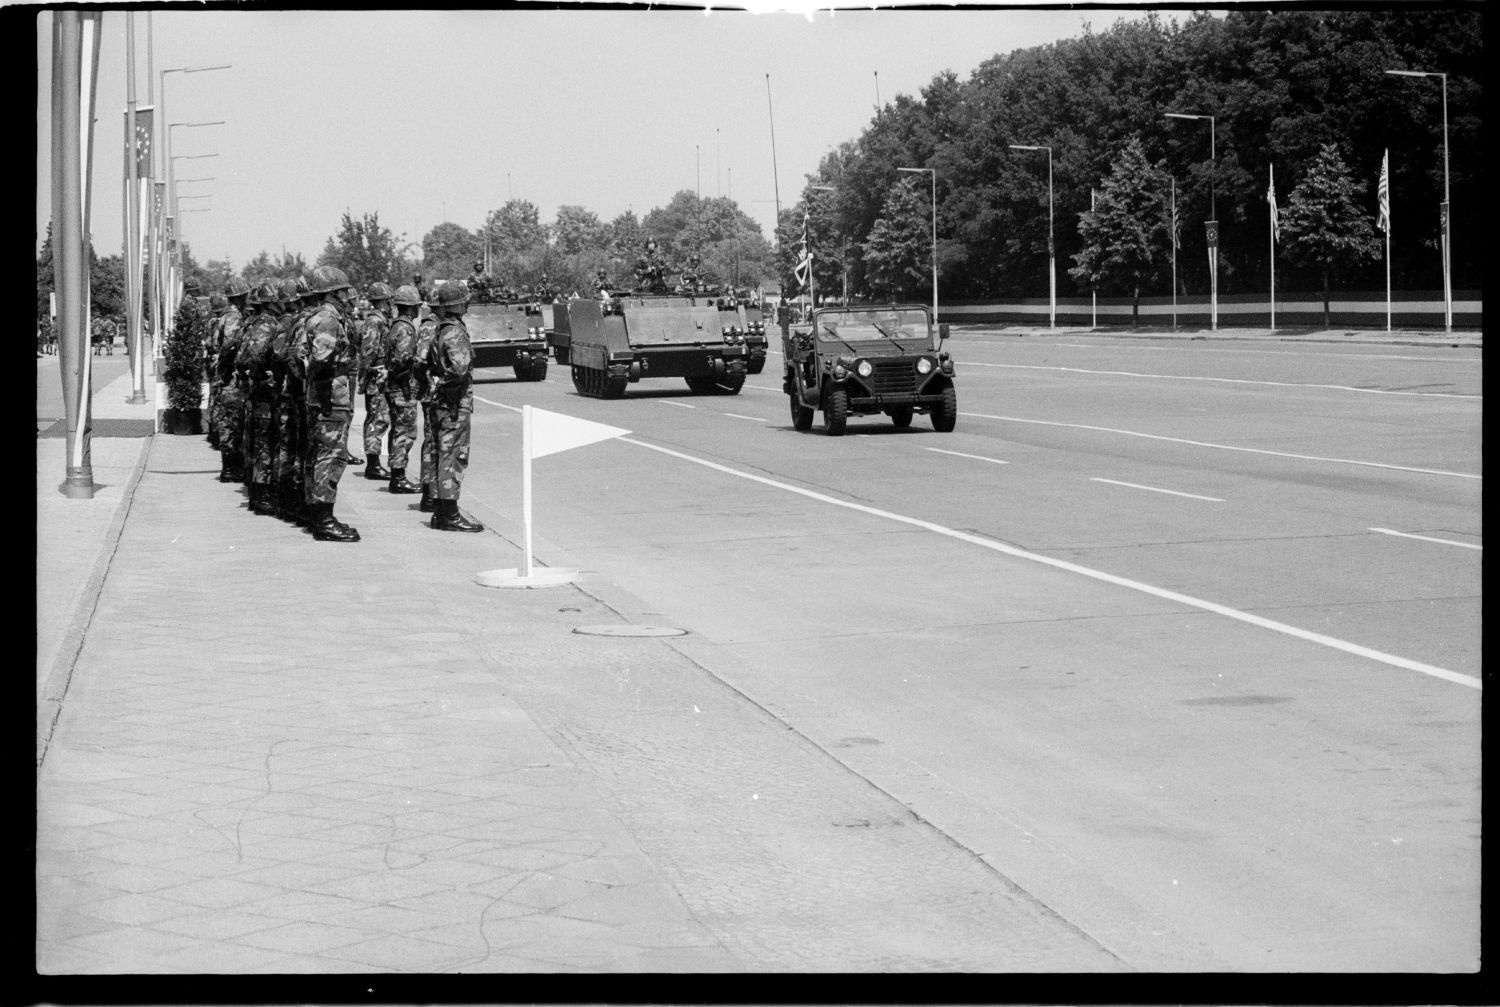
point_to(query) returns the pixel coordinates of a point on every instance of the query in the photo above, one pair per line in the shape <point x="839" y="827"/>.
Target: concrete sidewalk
<point x="248" y="766"/>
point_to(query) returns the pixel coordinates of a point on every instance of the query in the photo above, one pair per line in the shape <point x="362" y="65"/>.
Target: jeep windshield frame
<point x="883" y="325"/>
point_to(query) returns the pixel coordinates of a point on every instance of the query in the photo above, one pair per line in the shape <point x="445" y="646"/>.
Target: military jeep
<point x="865" y="361"/>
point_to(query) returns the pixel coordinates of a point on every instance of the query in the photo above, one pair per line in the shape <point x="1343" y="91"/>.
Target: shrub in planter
<point x="183" y="370"/>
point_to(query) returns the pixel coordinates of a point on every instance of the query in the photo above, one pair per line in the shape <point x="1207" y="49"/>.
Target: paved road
<point x="1180" y="637"/>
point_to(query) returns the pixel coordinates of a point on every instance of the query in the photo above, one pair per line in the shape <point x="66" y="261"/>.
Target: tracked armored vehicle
<point x="612" y="343"/>
<point x="865" y="361"/>
<point x="746" y="318"/>
<point x="509" y="334"/>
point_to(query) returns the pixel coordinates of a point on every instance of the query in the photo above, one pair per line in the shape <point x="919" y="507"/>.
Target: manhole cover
<point x="629" y="630"/>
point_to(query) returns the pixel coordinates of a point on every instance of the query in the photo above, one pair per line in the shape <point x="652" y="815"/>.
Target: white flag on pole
<point x="554" y="432"/>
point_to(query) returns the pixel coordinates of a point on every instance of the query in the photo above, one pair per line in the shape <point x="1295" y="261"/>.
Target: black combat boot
<point x="447" y="517"/>
<point x="400" y="484"/>
<point x="350" y="458"/>
<point x="373" y="469"/>
<point x="261" y="500"/>
<point x="226" y="468"/>
<point x="327" y="528"/>
<point x="426" y="506"/>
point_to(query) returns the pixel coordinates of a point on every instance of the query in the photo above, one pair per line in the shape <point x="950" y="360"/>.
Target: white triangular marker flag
<point x="553" y="432"/>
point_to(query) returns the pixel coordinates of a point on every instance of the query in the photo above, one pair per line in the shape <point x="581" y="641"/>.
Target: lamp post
<point x="933" y="172"/>
<point x="1213" y="222"/>
<point x="170" y="209"/>
<point x="160" y="279"/>
<point x="1447" y="211"/>
<point x="1051" y="250"/>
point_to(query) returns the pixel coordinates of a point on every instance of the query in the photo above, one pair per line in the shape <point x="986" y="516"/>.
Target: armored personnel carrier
<point x="612" y="343"/>
<point x="865" y="361"/>
<point x="508" y="334"/>
<point x="744" y="317"/>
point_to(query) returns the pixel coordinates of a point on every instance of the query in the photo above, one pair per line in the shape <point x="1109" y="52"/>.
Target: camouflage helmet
<point x="304" y="289"/>
<point x="451" y="294"/>
<point x="238" y="287"/>
<point x="265" y="292"/>
<point x="218" y="302"/>
<point x="378" y="292"/>
<point x="326" y="279"/>
<point x="407" y="294"/>
<point x="292" y="289"/>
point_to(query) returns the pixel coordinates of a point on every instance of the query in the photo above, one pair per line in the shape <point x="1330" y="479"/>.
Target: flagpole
<point x="526" y="424"/>
<point x="1174" y="254"/>
<point x="1387" y="281"/>
<point x="1271" y="199"/>
<point x="1094" y="293"/>
<point x="132" y="227"/>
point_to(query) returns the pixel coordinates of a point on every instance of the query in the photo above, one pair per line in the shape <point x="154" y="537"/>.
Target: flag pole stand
<point x="527" y="576"/>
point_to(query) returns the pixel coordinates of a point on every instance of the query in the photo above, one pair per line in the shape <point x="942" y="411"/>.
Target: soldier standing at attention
<point x="330" y="401"/>
<point x="373" y="377"/>
<point x="401" y="384"/>
<point x="256" y="362"/>
<point x="295" y="358"/>
<point x="230" y="415"/>
<point x="450" y="370"/>
<point x="286" y="505"/>
<point x="218" y="304"/>
<point x="426" y="332"/>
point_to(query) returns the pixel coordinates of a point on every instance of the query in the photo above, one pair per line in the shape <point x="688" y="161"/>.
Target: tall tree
<point x="899" y="248"/>
<point x="1126" y="236"/>
<point x="365" y="251"/>
<point x="449" y="253"/>
<point x="518" y="243"/>
<point x="1326" y="224"/>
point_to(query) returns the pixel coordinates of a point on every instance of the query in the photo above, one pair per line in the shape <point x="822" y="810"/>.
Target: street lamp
<point x="1051" y="252"/>
<point x="1213" y="221"/>
<point x="934" y="237"/>
<point x="160" y="280"/>
<point x="1447" y="210"/>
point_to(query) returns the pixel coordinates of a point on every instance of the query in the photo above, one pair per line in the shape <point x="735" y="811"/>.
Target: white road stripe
<point x="1108" y="578"/>
<point x="960" y="454"/>
<point x="1153" y="489"/>
<point x="1425" y="538"/>
<point x="1224" y="447"/>
<point x="758" y="419"/>
<point x="502" y="405"/>
<point x="683" y="405"/>
<point x="1231" y="381"/>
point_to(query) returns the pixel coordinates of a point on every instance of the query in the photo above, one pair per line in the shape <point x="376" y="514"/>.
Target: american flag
<point x="803" y="269"/>
<point x="1383" y="193"/>
<point x="1271" y="198"/>
<point x="1176" y="220"/>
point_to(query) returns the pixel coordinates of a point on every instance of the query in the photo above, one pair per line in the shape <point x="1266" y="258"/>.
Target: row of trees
<point x="1304" y="91"/>
<point x="569" y="251"/>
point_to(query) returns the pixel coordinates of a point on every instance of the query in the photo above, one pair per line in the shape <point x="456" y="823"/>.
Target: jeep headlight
<point x="864" y="368"/>
<point x="924" y="365"/>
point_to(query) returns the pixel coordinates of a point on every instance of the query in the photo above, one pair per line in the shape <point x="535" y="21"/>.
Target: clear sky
<point x="424" y="116"/>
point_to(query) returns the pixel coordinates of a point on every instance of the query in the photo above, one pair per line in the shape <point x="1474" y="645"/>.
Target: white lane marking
<point x="1232" y="381"/>
<point x="758" y="419"/>
<point x="1354" y="353"/>
<point x="683" y="405"/>
<point x="1153" y="489"/>
<point x="1224" y="447"/>
<point x="1425" y="538"/>
<point x="960" y="454"/>
<point x="502" y="405"/>
<point x="1108" y="578"/>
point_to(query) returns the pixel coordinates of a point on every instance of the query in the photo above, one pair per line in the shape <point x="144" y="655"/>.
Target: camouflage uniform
<point x="229" y="416"/>
<point x="284" y="460"/>
<point x="450" y="374"/>
<point x="255" y="363"/>
<point x="402" y="395"/>
<point x="295" y="357"/>
<point x="330" y="402"/>
<point x="373" y="379"/>
<point x="426" y="333"/>
<point x="210" y="358"/>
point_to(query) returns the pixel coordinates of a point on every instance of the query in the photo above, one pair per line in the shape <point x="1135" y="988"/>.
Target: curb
<point x="49" y="706"/>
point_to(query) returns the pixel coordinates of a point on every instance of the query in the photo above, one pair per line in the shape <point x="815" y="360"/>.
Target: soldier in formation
<point x="372" y="370"/>
<point x="287" y="359"/>
<point x="450" y="375"/>
<point x="402" y="398"/>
